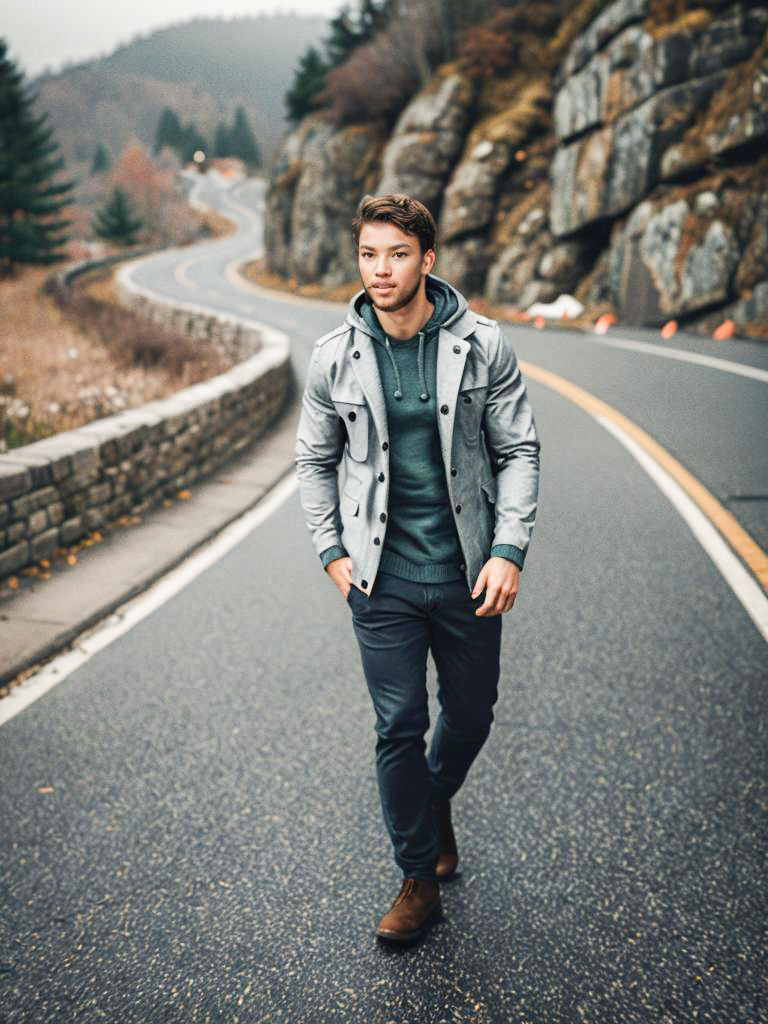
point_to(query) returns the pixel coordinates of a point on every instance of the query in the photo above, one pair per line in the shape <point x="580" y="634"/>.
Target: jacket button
<point x="385" y="445"/>
<point x="467" y="398"/>
<point x="381" y="478"/>
<point x="353" y="415"/>
<point x="383" y="517"/>
<point x="364" y="584"/>
<point x="443" y="409"/>
<point x="376" y="541"/>
<point x="355" y="355"/>
<point x="453" y="471"/>
<point x="462" y="567"/>
<point x="457" y="350"/>
<point x="458" y="508"/>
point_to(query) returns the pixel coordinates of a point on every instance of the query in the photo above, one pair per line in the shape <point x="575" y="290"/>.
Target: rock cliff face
<point x="632" y="175"/>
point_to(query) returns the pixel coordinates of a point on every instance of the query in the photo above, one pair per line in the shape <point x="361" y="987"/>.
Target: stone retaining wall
<point x="55" y="491"/>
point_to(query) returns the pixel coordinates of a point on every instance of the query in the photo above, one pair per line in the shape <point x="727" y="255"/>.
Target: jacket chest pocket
<point x="355" y="418"/>
<point x="470" y="409"/>
<point x="471" y="399"/>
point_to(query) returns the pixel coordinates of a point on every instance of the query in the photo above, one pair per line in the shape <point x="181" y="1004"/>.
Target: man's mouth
<point x="383" y="287"/>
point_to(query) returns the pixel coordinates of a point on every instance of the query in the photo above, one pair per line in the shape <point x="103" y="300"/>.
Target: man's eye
<point x="400" y="254"/>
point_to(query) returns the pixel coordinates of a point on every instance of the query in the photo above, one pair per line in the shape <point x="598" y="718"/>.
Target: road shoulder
<point x="43" y="619"/>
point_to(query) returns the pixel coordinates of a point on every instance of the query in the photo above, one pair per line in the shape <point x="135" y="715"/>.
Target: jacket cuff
<point x="510" y="552"/>
<point x="330" y="553"/>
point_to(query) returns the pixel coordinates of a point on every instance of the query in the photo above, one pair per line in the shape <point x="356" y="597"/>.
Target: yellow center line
<point x="742" y="542"/>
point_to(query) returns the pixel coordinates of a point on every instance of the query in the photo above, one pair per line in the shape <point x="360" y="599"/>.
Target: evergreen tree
<point x="347" y="31"/>
<point x="221" y="141"/>
<point x="343" y="37"/>
<point x="101" y="161"/>
<point x="30" y="232"/>
<point x="168" y="131"/>
<point x="373" y="17"/>
<point x="190" y="140"/>
<point x="242" y="141"/>
<point x="115" y="221"/>
<point x="307" y="83"/>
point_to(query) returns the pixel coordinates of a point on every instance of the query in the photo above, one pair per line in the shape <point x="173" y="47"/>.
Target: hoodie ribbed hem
<point x="433" y="572"/>
<point x="511" y="552"/>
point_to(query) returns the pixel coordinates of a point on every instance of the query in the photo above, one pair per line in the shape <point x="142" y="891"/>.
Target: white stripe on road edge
<point x="744" y="586"/>
<point x="713" y="362"/>
<point x="130" y="614"/>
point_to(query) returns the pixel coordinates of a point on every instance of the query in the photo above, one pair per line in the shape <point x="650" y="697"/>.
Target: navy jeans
<point x="395" y="628"/>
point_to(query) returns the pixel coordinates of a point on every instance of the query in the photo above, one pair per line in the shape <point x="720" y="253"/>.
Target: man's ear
<point x="430" y="258"/>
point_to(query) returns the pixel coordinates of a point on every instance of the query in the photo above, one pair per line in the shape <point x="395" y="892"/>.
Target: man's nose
<point x="382" y="268"/>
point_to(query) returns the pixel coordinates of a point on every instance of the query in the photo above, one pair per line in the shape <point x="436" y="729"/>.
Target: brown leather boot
<point x="448" y="860"/>
<point x="416" y="906"/>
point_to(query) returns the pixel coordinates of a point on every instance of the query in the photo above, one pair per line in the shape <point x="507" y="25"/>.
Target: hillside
<point x="202" y="69"/>
<point x="613" y="150"/>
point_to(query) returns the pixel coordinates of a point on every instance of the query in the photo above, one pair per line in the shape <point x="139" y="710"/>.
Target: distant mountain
<point x="202" y="68"/>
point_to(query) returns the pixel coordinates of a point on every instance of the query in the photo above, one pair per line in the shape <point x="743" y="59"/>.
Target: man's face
<point x="391" y="265"/>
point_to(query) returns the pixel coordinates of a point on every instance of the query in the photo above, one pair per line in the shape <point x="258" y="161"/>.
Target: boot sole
<point x="403" y="938"/>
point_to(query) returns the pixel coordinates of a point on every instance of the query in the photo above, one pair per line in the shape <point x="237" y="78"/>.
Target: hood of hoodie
<point x="450" y="305"/>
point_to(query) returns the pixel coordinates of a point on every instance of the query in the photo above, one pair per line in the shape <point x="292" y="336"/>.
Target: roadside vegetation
<point x="68" y="357"/>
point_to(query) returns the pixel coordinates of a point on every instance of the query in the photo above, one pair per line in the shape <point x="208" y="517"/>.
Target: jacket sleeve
<point x="513" y="444"/>
<point x="319" y="445"/>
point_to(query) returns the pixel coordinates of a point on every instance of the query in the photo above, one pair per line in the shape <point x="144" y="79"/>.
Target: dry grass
<point x="527" y="109"/>
<point x="666" y="17"/>
<point x="576" y="21"/>
<point x="56" y="373"/>
<point x="687" y="21"/>
<point x="737" y="93"/>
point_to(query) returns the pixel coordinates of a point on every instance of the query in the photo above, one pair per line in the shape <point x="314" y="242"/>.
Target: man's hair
<point x="408" y="214"/>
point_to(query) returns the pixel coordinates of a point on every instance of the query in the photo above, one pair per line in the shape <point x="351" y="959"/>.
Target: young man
<point x="423" y="527"/>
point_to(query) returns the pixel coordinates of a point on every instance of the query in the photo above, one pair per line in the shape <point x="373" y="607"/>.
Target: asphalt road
<point x="212" y="848"/>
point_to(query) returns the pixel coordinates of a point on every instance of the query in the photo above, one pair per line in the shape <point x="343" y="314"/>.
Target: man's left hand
<point x="500" y="578"/>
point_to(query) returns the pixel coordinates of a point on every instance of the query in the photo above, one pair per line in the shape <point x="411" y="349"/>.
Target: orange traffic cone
<point x="724" y="331"/>
<point x="539" y="322"/>
<point x="669" y="328"/>
<point x="603" y="323"/>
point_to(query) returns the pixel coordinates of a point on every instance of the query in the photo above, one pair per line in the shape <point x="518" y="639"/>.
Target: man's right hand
<point x="340" y="571"/>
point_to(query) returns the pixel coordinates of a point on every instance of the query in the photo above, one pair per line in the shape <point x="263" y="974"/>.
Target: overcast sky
<point x="42" y="33"/>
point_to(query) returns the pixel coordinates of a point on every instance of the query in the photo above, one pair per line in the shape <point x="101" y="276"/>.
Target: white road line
<point x="713" y="362"/>
<point x="741" y="582"/>
<point x="134" y="611"/>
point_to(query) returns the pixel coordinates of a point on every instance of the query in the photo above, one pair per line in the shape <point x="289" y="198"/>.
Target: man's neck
<point x="405" y="322"/>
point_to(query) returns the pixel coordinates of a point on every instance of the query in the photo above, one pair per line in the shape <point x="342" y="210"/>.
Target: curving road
<point x="191" y="829"/>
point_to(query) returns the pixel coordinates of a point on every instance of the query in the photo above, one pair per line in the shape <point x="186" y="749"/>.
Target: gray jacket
<point x="488" y="440"/>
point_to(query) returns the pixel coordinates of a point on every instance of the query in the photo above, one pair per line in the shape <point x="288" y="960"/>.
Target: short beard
<point x="403" y="302"/>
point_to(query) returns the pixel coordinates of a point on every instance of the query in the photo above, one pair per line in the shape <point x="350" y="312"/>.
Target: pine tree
<point x="242" y="141"/>
<point x="308" y="81"/>
<point x="343" y="37"/>
<point x="115" y="221"/>
<point x="30" y="232"/>
<point x="101" y="161"/>
<point x="347" y="32"/>
<point x="168" y="131"/>
<point x="221" y="142"/>
<point x="189" y="142"/>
